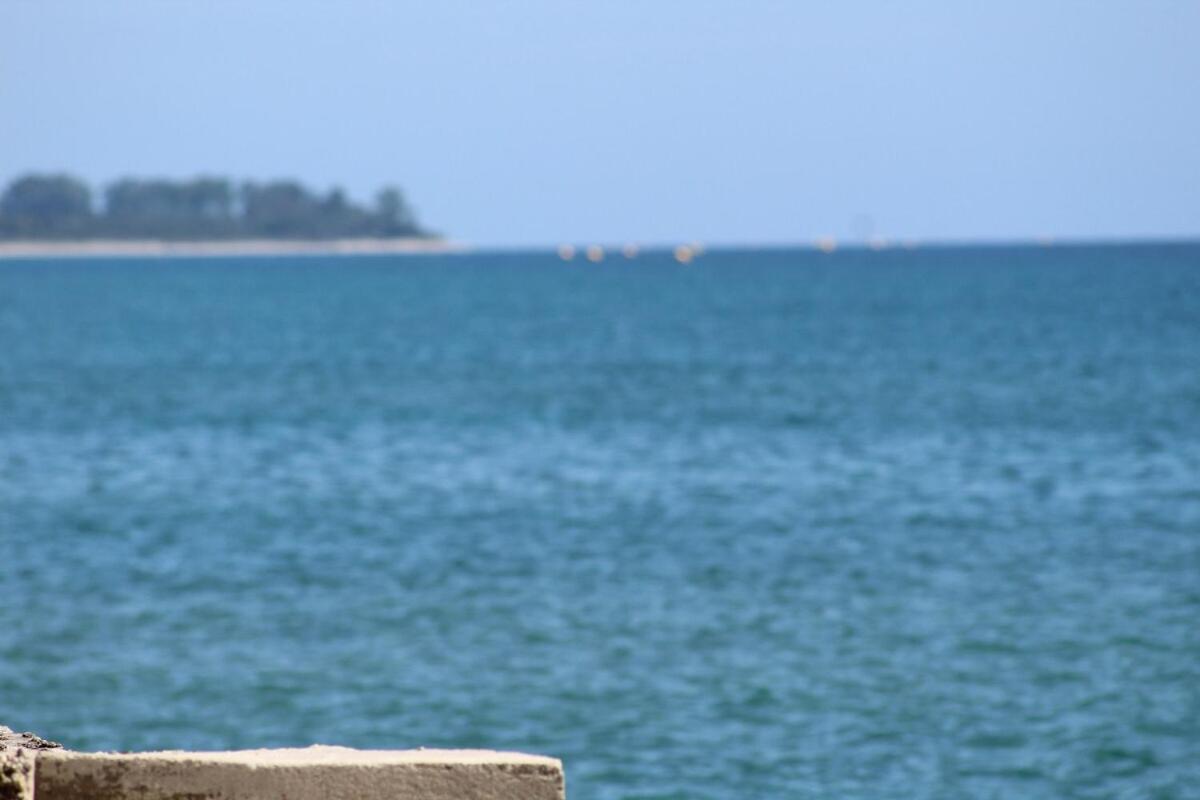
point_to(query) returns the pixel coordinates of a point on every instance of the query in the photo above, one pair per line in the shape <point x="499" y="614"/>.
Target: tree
<point x="280" y="208"/>
<point x="47" y="205"/>
<point x="168" y="209"/>
<point x="394" y="216"/>
<point x="210" y="198"/>
<point x="59" y="206"/>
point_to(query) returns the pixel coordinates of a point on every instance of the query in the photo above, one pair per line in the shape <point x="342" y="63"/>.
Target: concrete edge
<point x="32" y="766"/>
<point x="18" y="762"/>
<point x="314" y="773"/>
<point x="16" y="774"/>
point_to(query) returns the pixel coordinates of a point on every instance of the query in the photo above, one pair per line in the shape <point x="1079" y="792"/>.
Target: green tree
<point x="393" y="215"/>
<point x="59" y="206"/>
<point x="169" y="209"/>
<point x="46" y="205"/>
<point x="280" y="208"/>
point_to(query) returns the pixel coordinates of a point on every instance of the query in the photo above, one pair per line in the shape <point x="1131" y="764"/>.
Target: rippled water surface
<point x="910" y="524"/>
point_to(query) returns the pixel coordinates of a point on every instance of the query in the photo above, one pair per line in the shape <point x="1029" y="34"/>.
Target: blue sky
<point x="539" y="121"/>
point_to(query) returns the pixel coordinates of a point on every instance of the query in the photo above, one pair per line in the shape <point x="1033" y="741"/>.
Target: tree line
<point x="59" y="206"/>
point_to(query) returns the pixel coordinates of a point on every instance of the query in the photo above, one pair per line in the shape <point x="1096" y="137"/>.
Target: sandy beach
<point x="101" y="248"/>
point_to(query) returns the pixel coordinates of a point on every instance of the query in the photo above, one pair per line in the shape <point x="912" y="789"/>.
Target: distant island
<point x="60" y="208"/>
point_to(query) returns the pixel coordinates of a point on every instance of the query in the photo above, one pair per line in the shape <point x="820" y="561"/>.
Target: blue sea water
<point x="775" y="524"/>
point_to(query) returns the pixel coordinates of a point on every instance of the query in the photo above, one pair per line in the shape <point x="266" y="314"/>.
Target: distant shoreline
<point x="195" y="248"/>
<point x="104" y="248"/>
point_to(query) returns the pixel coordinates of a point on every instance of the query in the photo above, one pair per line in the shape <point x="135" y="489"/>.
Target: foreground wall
<point x="18" y="754"/>
<point x="311" y="773"/>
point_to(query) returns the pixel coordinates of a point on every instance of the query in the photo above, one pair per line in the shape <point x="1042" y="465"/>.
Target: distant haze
<point x="542" y="121"/>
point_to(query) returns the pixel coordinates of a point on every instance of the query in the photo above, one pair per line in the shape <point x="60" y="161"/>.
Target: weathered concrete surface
<point x="16" y="774"/>
<point x="17" y="762"/>
<point x="311" y="773"/>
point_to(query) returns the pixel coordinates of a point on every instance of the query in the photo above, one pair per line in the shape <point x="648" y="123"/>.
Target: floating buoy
<point x="566" y="252"/>
<point x="595" y="254"/>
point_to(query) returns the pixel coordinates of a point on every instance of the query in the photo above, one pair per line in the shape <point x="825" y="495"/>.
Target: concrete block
<point x="18" y="754"/>
<point x="311" y="773"/>
<point x="16" y="774"/>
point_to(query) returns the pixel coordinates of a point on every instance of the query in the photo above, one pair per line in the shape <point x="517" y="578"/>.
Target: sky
<point x="535" y="122"/>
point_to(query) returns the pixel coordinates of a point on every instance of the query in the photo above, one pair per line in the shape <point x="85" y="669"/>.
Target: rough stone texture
<point x="17" y="762"/>
<point x="11" y="740"/>
<point x="16" y="774"/>
<point x="312" y="773"/>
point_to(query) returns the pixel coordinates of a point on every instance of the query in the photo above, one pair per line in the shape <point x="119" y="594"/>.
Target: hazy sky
<point x="540" y="121"/>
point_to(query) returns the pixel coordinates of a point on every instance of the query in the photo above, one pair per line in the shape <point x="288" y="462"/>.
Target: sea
<point x="776" y="523"/>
